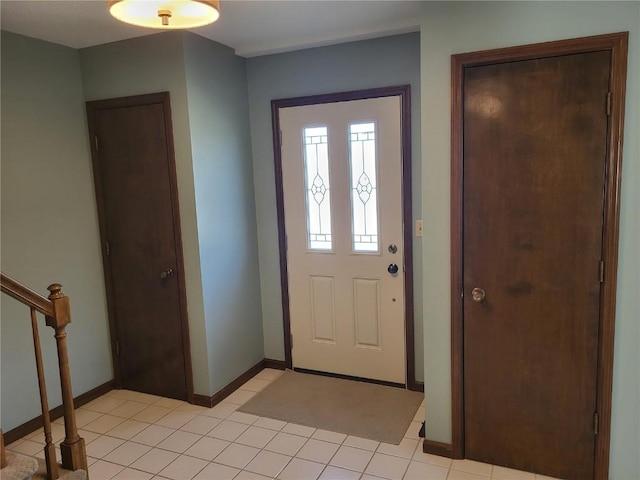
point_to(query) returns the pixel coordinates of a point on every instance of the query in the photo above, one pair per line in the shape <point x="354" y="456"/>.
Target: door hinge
<point x="95" y="138"/>
<point x="608" y="104"/>
<point x="601" y="271"/>
<point x="291" y="335"/>
<point x="107" y="248"/>
<point x="117" y="347"/>
<point x="596" y="423"/>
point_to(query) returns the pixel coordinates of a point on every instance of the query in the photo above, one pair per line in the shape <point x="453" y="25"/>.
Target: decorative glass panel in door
<point x="316" y="166"/>
<point x="364" y="191"/>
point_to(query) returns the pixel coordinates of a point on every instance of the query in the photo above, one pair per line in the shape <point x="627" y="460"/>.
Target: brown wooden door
<point x="535" y="142"/>
<point x="135" y="179"/>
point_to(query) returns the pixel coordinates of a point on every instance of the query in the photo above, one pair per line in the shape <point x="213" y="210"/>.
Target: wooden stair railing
<point x="57" y="315"/>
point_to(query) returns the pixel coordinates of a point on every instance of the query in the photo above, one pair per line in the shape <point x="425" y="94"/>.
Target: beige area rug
<point x="361" y="409"/>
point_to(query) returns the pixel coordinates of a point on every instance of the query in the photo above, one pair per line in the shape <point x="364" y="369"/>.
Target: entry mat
<point x="365" y="410"/>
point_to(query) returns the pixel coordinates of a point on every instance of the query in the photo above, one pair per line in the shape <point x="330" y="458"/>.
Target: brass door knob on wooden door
<point x="478" y="294"/>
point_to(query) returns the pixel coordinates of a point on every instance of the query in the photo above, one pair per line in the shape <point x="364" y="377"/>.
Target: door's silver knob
<point x="392" y="269"/>
<point x="166" y="273"/>
<point x="478" y="294"/>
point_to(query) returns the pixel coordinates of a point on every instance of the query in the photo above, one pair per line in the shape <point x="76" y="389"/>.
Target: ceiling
<point x="251" y="27"/>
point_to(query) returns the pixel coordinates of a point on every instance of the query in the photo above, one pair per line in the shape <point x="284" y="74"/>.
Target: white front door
<point x="342" y="184"/>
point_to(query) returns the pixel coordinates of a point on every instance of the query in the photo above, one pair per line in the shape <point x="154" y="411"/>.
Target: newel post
<point x="73" y="452"/>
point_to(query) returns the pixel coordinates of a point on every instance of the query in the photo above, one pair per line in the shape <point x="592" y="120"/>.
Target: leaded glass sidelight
<point x="316" y="167"/>
<point x="364" y="191"/>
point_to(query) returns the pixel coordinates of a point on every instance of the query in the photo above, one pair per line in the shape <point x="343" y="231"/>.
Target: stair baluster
<point x="3" y="454"/>
<point x="49" y="448"/>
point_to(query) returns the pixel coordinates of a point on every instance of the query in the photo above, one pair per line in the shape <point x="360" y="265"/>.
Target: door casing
<point x="132" y="101"/>
<point x="617" y="44"/>
<point x="403" y="91"/>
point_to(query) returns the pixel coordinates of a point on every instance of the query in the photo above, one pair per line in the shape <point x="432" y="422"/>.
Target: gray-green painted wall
<point x="223" y="177"/>
<point x="457" y="27"/>
<point x="49" y="223"/>
<point x="381" y="62"/>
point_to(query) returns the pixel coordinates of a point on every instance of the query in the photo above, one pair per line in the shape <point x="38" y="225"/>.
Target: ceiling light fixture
<point x="166" y="14"/>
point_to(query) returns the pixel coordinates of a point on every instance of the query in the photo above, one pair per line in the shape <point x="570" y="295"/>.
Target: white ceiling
<point x="251" y="27"/>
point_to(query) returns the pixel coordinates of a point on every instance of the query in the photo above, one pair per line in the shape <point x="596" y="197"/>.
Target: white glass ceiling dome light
<point x="166" y="14"/>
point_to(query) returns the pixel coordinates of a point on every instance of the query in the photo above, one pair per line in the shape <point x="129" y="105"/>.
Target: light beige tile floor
<point x="136" y="436"/>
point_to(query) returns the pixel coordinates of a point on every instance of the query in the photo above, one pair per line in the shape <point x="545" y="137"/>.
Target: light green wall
<point x="223" y="177"/>
<point x="352" y="66"/>
<point x="456" y="27"/>
<point x="151" y="64"/>
<point x="49" y="223"/>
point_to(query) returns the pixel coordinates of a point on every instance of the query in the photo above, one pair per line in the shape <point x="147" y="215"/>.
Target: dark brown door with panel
<point x="134" y="170"/>
<point x="534" y="146"/>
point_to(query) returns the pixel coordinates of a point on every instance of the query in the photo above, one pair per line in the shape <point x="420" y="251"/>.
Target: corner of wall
<point x="216" y="86"/>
